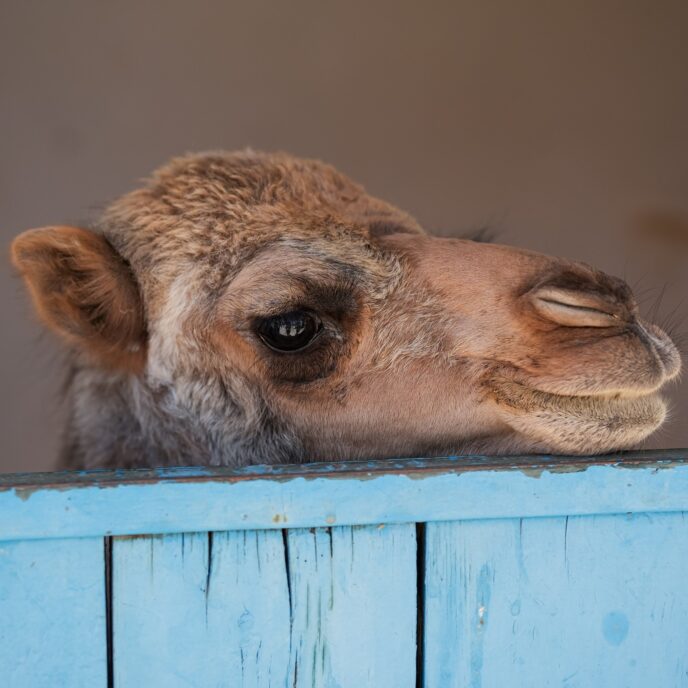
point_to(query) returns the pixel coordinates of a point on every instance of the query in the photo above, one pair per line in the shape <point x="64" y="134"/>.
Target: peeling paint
<point x="139" y="536"/>
<point x="351" y="493"/>
<point x="25" y="485"/>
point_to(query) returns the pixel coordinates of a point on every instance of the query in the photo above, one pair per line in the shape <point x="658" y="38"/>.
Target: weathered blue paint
<point x="524" y="571"/>
<point x="573" y="602"/>
<point x="52" y="614"/>
<point x="324" y="496"/>
<point x="112" y="477"/>
<point x="214" y="606"/>
<point x="219" y="606"/>
<point x="353" y="593"/>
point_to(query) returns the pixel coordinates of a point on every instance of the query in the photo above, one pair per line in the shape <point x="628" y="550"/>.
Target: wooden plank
<point x="52" y="614"/>
<point x="353" y="593"/>
<point x="323" y="497"/>
<point x="29" y="482"/>
<point x="565" y="602"/>
<point x="201" y="610"/>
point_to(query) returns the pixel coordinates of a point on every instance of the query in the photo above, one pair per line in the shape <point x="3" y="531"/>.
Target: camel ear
<point x="85" y="291"/>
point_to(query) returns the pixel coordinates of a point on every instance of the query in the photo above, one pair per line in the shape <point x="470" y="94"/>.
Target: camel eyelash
<point x="325" y="302"/>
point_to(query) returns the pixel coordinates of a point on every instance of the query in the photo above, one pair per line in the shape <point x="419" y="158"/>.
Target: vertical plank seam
<point x="209" y="573"/>
<point x="209" y="569"/>
<point x="107" y="552"/>
<point x="420" y="605"/>
<point x="285" y="549"/>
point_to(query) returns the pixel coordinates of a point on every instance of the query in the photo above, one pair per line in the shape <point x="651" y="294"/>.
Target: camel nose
<point x="599" y="301"/>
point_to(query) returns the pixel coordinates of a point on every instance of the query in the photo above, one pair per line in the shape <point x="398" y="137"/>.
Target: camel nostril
<point x="664" y="348"/>
<point x="576" y="308"/>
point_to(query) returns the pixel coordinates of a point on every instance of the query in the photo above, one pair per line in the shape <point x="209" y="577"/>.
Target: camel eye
<point x="289" y="332"/>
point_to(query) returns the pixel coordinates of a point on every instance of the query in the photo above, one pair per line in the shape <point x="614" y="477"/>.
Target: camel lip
<point x="636" y="409"/>
<point x="612" y="396"/>
<point x="578" y="424"/>
<point x="506" y="376"/>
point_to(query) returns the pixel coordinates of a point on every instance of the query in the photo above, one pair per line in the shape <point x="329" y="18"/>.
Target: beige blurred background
<point x="562" y="124"/>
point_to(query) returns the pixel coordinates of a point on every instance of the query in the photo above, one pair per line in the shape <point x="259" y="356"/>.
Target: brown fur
<point x="84" y="290"/>
<point x="427" y="345"/>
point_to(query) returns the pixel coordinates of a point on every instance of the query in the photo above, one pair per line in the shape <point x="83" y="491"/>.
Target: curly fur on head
<point x="420" y="345"/>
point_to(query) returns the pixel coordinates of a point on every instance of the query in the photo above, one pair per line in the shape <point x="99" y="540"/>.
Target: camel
<point x="245" y="308"/>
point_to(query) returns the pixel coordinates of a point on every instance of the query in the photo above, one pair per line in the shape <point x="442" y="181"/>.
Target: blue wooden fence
<point x="444" y="573"/>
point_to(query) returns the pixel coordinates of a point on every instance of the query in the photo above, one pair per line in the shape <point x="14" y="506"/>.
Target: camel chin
<point x="580" y="424"/>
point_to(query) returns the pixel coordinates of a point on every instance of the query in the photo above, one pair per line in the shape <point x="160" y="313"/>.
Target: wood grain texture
<point x="353" y="593"/>
<point x="549" y="583"/>
<point x="188" y="500"/>
<point x="565" y="602"/>
<point x="52" y="614"/>
<point x="194" y="610"/>
<point x="112" y="477"/>
<point x="201" y="610"/>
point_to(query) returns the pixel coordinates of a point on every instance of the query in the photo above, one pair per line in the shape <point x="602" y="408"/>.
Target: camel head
<point x="248" y="308"/>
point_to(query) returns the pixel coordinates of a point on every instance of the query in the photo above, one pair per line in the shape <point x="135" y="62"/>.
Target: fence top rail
<point x="659" y="458"/>
<point x="186" y="499"/>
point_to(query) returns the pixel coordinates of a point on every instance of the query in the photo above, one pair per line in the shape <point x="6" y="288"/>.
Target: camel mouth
<point x="525" y="398"/>
<point x="580" y="424"/>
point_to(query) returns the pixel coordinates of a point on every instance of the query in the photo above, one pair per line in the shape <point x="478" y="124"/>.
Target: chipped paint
<point x="580" y="466"/>
<point x="352" y="493"/>
<point x="25" y="485"/>
<point x="502" y="593"/>
<point x="500" y="614"/>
